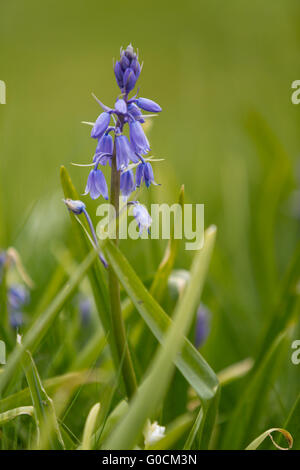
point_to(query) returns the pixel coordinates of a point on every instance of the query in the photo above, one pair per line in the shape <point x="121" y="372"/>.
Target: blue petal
<point x="148" y="105"/>
<point x="100" y="125"/>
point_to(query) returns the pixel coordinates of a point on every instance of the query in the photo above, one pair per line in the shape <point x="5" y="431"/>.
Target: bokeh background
<point x="222" y="72"/>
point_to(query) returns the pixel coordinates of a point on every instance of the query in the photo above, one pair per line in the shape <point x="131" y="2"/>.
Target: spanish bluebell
<point x="77" y="207"/>
<point x="127" y="70"/>
<point x="127" y="184"/>
<point x="144" y="173"/>
<point x="138" y="138"/>
<point x="148" y="105"/>
<point x="96" y="184"/>
<point x="142" y="217"/>
<point x="124" y="152"/>
<point x="16" y="320"/>
<point x="18" y="296"/>
<point x="100" y="126"/>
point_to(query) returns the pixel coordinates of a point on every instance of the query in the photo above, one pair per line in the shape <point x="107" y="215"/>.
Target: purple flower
<point x="135" y="112"/>
<point x="124" y="152"/>
<point x="142" y="217"/>
<point x="16" y="320"/>
<point x="127" y="183"/>
<point x="104" y="150"/>
<point x="77" y="207"/>
<point x="127" y="69"/>
<point x="100" y="125"/>
<point x="121" y="106"/>
<point x="144" y="172"/>
<point x="18" y="296"/>
<point x="148" y="105"/>
<point x="96" y="185"/>
<point x="202" y="325"/>
<point x="137" y="137"/>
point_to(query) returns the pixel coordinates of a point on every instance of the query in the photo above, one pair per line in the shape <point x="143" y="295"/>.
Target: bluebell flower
<point x="16" y="320"/>
<point x="127" y="70"/>
<point x="121" y="106"/>
<point x="77" y="207"/>
<point x="104" y="150"/>
<point x="135" y="113"/>
<point x="142" y="217"/>
<point x="127" y="183"/>
<point x="100" y="126"/>
<point x="148" y="105"/>
<point x="202" y="325"/>
<point x="18" y="296"/>
<point x="138" y="138"/>
<point x="124" y="152"/>
<point x="96" y="184"/>
<point x="144" y="172"/>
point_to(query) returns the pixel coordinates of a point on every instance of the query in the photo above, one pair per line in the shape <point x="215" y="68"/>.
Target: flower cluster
<point x="112" y="143"/>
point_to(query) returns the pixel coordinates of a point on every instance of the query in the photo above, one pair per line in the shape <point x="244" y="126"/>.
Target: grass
<point x="230" y="134"/>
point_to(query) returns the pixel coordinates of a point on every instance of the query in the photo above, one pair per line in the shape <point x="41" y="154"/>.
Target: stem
<point x="115" y="302"/>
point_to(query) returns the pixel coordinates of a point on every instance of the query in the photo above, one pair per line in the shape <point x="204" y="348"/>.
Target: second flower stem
<point x="115" y="300"/>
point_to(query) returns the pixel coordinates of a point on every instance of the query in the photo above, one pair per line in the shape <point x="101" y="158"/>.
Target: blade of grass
<point x="256" y="443"/>
<point x="144" y="404"/>
<point x="89" y="427"/>
<point x="14" y="413"/>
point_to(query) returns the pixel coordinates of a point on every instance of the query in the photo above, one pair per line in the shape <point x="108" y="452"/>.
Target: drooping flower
<point x="141" y="216"/>
<point x="104" y="150"/>
<point x="153" y="433"/>
<point x="77" y="207"/>
<point x="202" y="325"/>
<point x="135" y="113"/>
<point x="96" y="184"/>
<point x="100" y="126"/>
<point x="127" y="183"/>
<point x="144" y="172"/>
<point x="138" y="138"/>
<point x="124" y="152"/>
<point x="148" y="105"/>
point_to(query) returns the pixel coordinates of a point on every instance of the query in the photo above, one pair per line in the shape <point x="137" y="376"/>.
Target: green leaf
<point x="293" y="423"/>
<point x="256" y="443"/>
<point x="44" y="412"/>
<point x="89" y="427"/>
<point x="14" y="413"/>
<point x="245" y="419"/>
<point x="42" y="324"/>
<point x="153" y="388"/>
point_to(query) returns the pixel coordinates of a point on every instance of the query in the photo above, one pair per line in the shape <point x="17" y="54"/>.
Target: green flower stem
<point x="115" y="302"/>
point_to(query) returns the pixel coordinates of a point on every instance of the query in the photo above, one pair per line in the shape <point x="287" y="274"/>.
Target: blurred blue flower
<point x="141" y="216"/>
<point x="18" y="296"/>
<point x="16" y="320"/>
<point x="85" y="309"/>
<point x="202" y="325"/>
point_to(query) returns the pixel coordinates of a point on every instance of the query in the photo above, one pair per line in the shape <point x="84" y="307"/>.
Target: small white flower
<point x="153" y="433"/>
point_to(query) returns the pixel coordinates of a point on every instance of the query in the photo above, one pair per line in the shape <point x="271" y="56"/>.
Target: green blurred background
<point x="222" y="72"/>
